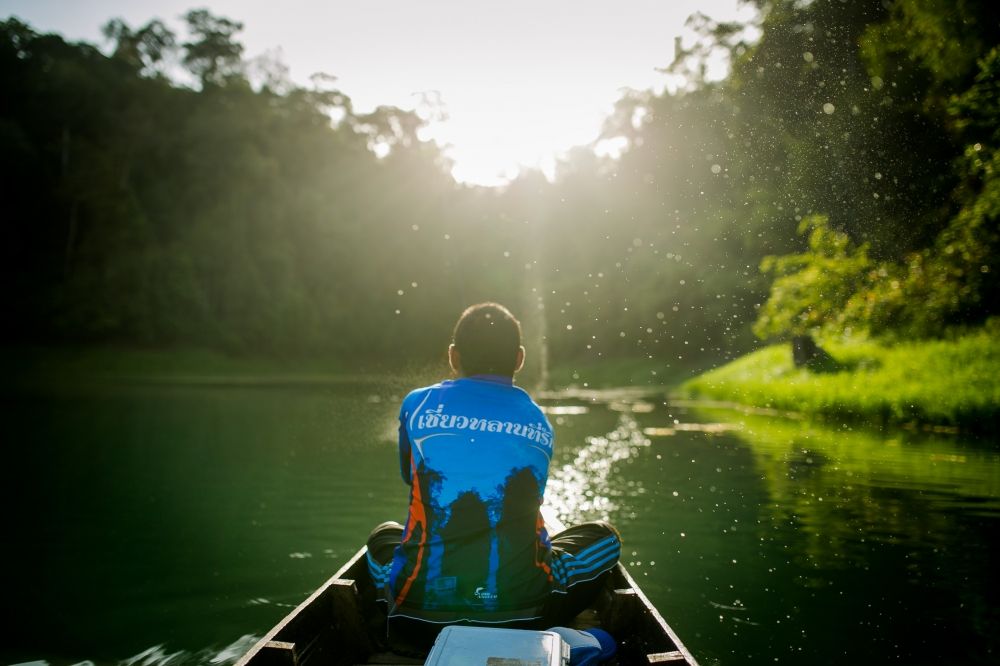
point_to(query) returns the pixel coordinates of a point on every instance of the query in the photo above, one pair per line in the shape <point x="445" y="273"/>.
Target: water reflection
<point x="881" y="526"/>
<point x="586" y="489"/>
<point x="207" y="513"/>
<point x="846" y="487"/>
<point x="710" y="428"/>
<point x="632" y="406"/>
<point x="764" y="529"/>
<point x="565" y="410"/>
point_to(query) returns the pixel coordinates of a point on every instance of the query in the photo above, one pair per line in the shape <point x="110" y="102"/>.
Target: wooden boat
<point x="340" y="624"/>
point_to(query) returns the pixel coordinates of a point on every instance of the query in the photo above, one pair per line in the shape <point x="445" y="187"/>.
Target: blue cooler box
<point x="481" y="646"/>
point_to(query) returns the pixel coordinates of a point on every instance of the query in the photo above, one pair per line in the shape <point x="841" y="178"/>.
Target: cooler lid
<point x="486" y="646"/>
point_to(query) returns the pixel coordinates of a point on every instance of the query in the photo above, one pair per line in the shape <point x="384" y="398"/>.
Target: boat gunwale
<point x="309" y="601"/>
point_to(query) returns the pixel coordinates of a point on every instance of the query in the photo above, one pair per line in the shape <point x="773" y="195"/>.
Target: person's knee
<point x="387" y="533"/>
<point x="387" y="526"/>
<point x="598" y="529"/>
<point x="610" y="528"/>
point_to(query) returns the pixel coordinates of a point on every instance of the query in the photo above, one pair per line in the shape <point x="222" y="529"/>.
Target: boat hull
<point x="340" y="623"/>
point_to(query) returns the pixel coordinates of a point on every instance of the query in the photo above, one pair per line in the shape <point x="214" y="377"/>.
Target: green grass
<point x="950" y="382"/>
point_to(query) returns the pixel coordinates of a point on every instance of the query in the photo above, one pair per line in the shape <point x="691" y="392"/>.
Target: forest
<point x="843" y="179"/>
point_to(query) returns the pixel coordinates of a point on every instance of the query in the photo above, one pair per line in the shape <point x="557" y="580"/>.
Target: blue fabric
<point x="570" y="568"/>
<point x="476" y="454"/>
<point x="587" y="647"/>
<point x="378" y="572"/>
<point x="608" y="644"/>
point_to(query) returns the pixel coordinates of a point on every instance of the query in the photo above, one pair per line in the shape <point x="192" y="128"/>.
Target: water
<point x="174" y="524"/>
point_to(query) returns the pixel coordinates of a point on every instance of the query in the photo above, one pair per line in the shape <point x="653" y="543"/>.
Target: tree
<point x="144" y="49"/>
<point x="811" y="290"/>
<point x="930" y="68"/>
<point x="212" y="54"/>
<point x="954" y="280"/>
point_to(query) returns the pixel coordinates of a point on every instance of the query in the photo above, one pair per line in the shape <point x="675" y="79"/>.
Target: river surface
<point x="174" y="524"/>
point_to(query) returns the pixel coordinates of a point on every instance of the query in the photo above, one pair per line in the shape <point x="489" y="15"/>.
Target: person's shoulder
<point x="531" y="406"/>
<point x="524" y="396"/>
<point x="415" y="396"/>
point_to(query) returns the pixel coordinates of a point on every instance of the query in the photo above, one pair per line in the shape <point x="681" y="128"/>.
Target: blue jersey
<point x="476" y="453"/>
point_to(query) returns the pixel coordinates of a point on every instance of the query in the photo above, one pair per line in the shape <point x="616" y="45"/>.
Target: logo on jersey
<point x="484" y="594"/>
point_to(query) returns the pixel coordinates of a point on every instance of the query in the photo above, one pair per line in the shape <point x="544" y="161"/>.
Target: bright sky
<point x="521" y="80"/>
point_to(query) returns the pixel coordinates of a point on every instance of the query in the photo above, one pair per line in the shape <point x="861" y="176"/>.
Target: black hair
<point x="488" y="338"/>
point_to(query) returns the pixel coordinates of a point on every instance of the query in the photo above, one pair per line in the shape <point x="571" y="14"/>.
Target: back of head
<point x="488" y="338"/>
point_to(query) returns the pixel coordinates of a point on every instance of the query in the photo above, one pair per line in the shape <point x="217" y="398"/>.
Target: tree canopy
<point x="253" y="214"/>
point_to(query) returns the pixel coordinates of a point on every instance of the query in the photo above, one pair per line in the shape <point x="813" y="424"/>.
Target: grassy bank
<point x="946" y="382"/>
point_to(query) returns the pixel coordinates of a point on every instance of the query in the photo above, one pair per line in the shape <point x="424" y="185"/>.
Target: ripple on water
<point x="157" y="655"/>
<point x="232" y="652"/>
<point x="565" y="410"/>
<point x="583" y="489"/>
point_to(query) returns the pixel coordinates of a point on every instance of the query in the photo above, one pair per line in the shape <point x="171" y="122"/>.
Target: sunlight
<point x="496" y="125"/>
<point x="492" y="136"/>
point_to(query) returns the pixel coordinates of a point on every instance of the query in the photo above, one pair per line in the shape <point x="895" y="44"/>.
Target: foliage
<point x="816" y="134"/>
<point x="259" y="216"/>
<point x="147" y="213"/>
<point x="145" y="48"/>
<point x="948" y="278"/>
<point x="954" y="280"/>
<point x="212" y="55"/>
<point x="811" y="290"/>
<point x="936" y="43"/>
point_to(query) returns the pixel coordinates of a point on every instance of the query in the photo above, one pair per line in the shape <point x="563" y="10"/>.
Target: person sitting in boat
<point x="475" y="451"/>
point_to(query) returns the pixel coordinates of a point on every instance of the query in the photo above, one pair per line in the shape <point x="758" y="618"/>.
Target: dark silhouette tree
<point x="212" y="54"/>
